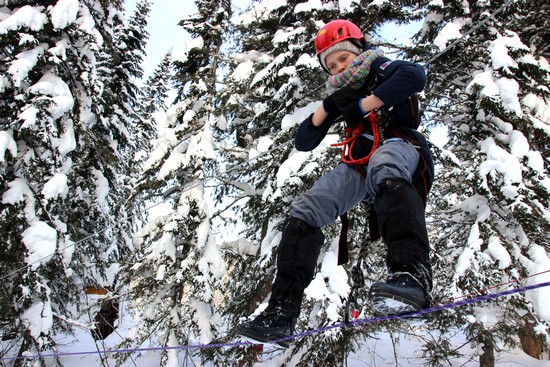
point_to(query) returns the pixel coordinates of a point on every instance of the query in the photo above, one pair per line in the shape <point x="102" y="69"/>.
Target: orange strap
<point x="351" y="137"/>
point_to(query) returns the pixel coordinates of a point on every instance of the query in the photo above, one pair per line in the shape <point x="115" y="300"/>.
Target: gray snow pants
<point x="344" y="187"/>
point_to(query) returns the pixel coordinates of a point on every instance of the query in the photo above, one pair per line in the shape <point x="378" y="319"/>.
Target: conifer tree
<point x="60" y="166"/>
<point x="175" y="271"/>
<point x="122" y="71"/>
<point x="155" y="96"/>
<point x="490" y="219"/>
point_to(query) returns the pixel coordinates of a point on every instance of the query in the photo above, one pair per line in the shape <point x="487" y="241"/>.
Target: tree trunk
<point x="487" y="358"/>
<point x="27" y="339"/>
<point x="531" y="343"/>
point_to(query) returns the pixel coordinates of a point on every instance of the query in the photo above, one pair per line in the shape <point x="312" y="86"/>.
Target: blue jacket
<point x="393" y="81"/>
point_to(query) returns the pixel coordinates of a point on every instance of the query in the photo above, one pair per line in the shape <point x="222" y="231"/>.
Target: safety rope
<point x="341" y="325"/>
<point x="473" y="29"/>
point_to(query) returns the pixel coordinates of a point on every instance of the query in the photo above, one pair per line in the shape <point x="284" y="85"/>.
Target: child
<point x="395" y="180"/>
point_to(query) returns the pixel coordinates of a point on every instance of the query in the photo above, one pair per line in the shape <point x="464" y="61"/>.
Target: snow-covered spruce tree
<point x="174" y="274"/>
<point x="491" y="219"/>
<point x="155" y="91"/>
<point x="275" y="83"/>
<point x="121" y="71"/>
<point x="533" y="26"/>
<point x="60" y="164"/>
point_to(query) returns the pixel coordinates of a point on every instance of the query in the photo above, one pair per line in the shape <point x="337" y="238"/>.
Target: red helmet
<point x="335" y="32"/>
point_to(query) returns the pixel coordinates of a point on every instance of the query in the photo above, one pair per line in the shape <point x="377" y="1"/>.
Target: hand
<point x="341" y="98"/>
<point x="353" y="113"/>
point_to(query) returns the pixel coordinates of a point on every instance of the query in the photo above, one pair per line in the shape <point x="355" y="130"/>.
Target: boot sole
<point x="390" y="303"/>
<point x="265" y="338"/>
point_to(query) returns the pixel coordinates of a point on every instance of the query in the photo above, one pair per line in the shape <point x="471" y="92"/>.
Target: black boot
<point x="269" y="328"/>
<point x="296" y="261"/>
<point x="400" y="293"/>
<point x="402" y="224"/>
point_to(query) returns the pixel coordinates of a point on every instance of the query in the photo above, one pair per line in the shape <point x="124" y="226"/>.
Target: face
<point x="338" y="61"/>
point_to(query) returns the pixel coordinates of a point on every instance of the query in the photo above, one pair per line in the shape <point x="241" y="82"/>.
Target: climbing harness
<point x="353" y="133"/>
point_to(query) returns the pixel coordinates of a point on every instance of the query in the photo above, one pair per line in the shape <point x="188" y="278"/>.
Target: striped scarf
<point x="356" y="72"/>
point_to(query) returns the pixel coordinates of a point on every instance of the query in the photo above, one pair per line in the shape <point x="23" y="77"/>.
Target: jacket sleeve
<point x="400" y="80"/>
<point x="309" y="136"/>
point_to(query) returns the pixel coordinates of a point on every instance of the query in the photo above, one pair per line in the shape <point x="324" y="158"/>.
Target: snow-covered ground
<point x="383" y="349"/>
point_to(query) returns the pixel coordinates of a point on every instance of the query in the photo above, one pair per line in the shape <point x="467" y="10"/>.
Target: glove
<point x="341" y="98"/>
<point x="353" y="113"/>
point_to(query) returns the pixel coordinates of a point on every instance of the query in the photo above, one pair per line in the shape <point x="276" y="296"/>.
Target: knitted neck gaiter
<point x="356" y="72"/>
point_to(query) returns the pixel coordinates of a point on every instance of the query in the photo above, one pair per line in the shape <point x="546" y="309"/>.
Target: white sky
<point x="164" y="32"/>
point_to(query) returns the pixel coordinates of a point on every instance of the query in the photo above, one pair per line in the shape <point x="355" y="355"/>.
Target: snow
<point x="484" y="81"/>
<point x="499" y="252"/>
<point x="290" y="166"/>
<point x="519" y="145"/>
<point x="449" y="32"/>
<point x="4" y="84"/>
<point x="260" y="10"/>
<point x="508" y="90"/>
<point x="282" y="36"/>
<point x="539" y="263"/>
<point x="539" y="108"/>
<point x="317" y="289"/>
<point x="465" y="261"/>
<point x="17" y="191"/>
<point x="477" y="206"/>
<point x="38" y="319"/>
<point x="60" y="93"/>
<point x="182" y="54"/>
<point x="64" y="13"/>
<point x="25" y="17"/>
<point x="24" y="62"/>
<point x="337" y="277"/>
<point x="7" y="143"/>
<point x="505" y="88"/>
<point x="263" y="145"/>
<point x="298" y="115"/>
<point x="56" y="186"/>
<point x="498" y="49"/>
<point x="203" y="316"/>
<point x="500" y="161"/>
<point x="87" y="25"/>
<point x="102" y="187"/>
<point x="41" y="241"/>
<point x="307" y="61"/>
<point x="379" y="349"/>
<point x="29" y="117"/>
<point x="535" y="161"/>
<point x="243" y="71"/>
<point x="67" y="140"/>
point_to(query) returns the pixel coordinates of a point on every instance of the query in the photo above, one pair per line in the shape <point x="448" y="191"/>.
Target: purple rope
<point x="371" y="320"/>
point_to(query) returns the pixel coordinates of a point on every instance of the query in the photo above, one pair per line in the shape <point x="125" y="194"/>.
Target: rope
<point x="341" y="325"/>
<point x="476" y="27"/>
